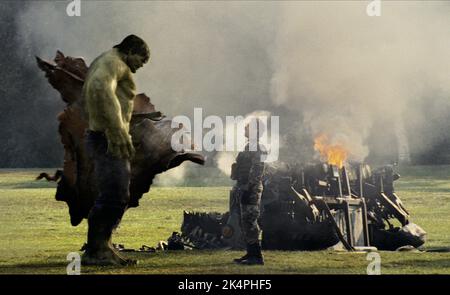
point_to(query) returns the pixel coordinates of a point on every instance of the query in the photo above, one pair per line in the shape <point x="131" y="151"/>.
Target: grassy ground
<point x="36" y="235"/>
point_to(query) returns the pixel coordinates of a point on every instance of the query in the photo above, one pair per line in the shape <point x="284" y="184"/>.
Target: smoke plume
<point x="370" y="83"/>
<point x="344" y="71"/>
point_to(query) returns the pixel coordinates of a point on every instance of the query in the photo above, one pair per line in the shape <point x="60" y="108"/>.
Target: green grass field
<point x="36" y="235"/>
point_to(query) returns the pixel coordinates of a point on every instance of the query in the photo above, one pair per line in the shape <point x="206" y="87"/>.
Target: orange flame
<point x="334" y="154"/>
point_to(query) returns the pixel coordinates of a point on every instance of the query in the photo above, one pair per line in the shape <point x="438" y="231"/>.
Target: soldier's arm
<point x="104" y="107"/>
<point x="256" y="174"/>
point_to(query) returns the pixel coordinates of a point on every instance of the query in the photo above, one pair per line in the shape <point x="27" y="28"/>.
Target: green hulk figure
<point x="108" y="94"/>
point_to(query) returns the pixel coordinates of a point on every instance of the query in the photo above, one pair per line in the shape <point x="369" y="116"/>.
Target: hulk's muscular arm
<point x="108" y="93"/>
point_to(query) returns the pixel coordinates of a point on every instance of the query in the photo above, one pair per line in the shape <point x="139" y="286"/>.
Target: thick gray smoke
<point x="209" y="55"/>
<point x="344" y="70"/>
<point x="321" y="66"/>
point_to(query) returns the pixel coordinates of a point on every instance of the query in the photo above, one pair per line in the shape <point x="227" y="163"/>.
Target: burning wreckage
<point x="314" y="207"/>
<point x="304" y="207"/>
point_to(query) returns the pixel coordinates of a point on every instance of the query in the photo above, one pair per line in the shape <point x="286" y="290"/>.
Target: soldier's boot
<point x="253" y="256"/>
<point x="239" y="260"/>
<point x="99" y="250"/>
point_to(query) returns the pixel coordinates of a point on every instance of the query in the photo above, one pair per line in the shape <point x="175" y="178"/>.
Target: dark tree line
<point x="27" y="114"/>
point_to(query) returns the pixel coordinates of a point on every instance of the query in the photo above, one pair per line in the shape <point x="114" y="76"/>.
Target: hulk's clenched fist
<point x="108" y="93"/>
<point x="119" y="143"/>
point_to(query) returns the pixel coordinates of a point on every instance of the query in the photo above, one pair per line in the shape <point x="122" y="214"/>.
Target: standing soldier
<point x="248" y="171"/>
<point x="108" y="93"/>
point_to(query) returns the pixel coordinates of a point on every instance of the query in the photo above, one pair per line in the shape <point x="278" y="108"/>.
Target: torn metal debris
<point x="315" y="207"/>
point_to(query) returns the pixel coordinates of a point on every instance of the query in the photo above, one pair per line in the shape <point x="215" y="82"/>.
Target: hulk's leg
<point x="113" y="178"/>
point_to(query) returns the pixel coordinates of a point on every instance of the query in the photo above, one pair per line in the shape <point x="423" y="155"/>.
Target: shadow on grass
<point x="34" y="265"/>
<point x="423" y="189"/>
<point x="32" y="185"/>
<point x="422" y="263"/>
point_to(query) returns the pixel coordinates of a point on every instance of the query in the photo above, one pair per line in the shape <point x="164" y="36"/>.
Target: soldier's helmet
<point x="255" y="127"/>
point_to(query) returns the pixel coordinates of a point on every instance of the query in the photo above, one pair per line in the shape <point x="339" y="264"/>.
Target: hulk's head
<point x="135" y="50"/>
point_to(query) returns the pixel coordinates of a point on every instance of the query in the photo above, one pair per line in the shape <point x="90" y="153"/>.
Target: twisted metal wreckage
<point x="150" y="130"/>
<point x="304" y="207"/>
<point x="314" y="207"/>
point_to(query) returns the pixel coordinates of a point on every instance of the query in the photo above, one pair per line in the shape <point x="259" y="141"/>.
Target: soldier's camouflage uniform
<point x="248" y="171"/>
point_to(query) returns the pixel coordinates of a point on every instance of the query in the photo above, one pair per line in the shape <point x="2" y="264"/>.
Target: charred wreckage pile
<point x="315" y="207"/>
<point x="304" y="207"/>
